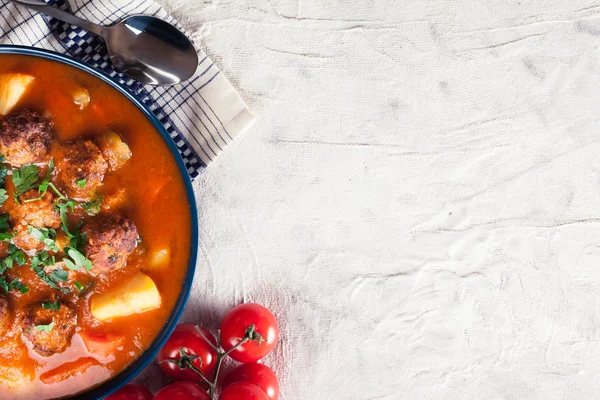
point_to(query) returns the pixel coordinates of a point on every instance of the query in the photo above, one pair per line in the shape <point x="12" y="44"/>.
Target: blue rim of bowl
<point x="119" y="380"/>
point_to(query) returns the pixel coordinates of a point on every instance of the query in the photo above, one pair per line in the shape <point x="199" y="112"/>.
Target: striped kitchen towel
<point x="202" y="115"/>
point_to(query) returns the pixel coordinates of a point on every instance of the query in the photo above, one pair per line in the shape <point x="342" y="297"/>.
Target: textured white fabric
<point x="419" y="199"/>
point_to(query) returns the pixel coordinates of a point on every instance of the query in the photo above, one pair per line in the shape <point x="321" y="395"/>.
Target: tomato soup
<point x="95" y="229"/>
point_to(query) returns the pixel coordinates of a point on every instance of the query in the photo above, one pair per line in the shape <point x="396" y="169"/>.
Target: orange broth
<point x="156" y="202"/>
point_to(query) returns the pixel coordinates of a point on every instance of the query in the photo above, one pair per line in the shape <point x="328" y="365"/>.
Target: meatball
<point x="38" y="213"/>
<point x="49" y="331"/>
<point x="4" y="315"/>
<point x="4" y="247"/>
<point x="81" y="168"/>
<point x="110" y="240"/>
<point x="25" y="137"/>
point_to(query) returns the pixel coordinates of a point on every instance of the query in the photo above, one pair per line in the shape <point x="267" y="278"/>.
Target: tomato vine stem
<point x="250" y="334"/>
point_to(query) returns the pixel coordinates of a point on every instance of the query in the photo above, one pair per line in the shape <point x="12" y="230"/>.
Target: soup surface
<point x="94" y="230"/>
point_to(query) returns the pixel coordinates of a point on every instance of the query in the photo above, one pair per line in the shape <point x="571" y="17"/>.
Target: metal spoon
<point x="143" y="47"/>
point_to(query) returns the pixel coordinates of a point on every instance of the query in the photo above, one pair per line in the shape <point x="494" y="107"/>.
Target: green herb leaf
<point x="19" y="257"/>
<point x="51" y="305"/>
<point x="77" y="260"/>
<point x="93" y="207"/>
<point x="52" y="278"/>
<point x="63" y="210"/>
<point x="45" y="235"/>
<point x="83" y="290"/>
<point x="25" y="178"/>
<point x="6" y="236"/>
<point x="43" y="186"/>
<point x="15" y="284"/>
<point x="81" y="182"/>
<point x="45" y="328"/>
<point x="4" y="285"/>
<point x="18" y="285"/>
<point x="14" y="255"/>
<point x="3" y="196"/>
<point x="3" y="170"/>
<point x="59" y="275"/>
<point x="4" y="225"/>
<point x="42" y="258"/>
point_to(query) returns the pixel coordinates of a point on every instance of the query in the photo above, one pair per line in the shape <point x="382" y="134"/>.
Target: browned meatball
<point x="110" y="240"/>
<point x="4" y="247"/>
<point x="25" y="137"/>
<point x="81" y="168"/>
<point x="40" y="214"/>
<point x="49" y="331"/>
<point x="4" y="315"/>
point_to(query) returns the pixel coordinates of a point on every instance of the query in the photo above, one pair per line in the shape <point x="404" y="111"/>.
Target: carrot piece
<point x="67" y="370"/>
<point x="102" y="344"/>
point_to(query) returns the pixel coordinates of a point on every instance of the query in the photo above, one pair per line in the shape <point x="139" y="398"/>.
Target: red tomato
<point x="182" y="390"/>
<point x="131" y="392"/>
<point x="242" y="391"/>
<point x="186" y="337"/>
<point x="233" y="329"/>
<point x="257" y="374"/>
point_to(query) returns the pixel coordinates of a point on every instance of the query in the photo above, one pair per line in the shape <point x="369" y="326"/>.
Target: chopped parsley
<point x="45" y="184"/>
<point x="42" y="258"/>
<point x="45" y="328"/>
<point x="81" y="182"/>
<point x="63" y="210"/>
<point x="52" y="279"/>
<point x="15" y="255"/>
<point x="51" y="305"/>
<point x="5" y="235"/>
<point x="83" y="290"/>
<point x="25" y="178"/>
<point x="45" y="235"/>
<point x="4" y="225"/>
<point x="59" y="275"/>
<point x="93" y="207"/>
<point x="3" y="196"/>
<point x="15" y="284"/>
<point x="3" y="170"/>
<point x="77" y="260"/>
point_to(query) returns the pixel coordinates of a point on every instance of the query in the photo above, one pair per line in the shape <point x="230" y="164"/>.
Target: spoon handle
<point x="57" y="13"/>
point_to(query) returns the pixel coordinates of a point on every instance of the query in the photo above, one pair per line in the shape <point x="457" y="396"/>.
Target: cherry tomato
<point x="233" y="329"/>
<point x="257" y="374"/>
<point x="182" y="390"/>
<point x="186" y="337"/>
<point x="242" y="391"/>
<point x="131" y="392"/>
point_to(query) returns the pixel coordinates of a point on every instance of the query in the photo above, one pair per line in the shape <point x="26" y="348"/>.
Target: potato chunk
<point x="114" y="150"/>
<point x="159" y="258"/>
<point x="135" y="296"/>
<point x="12" y="87"/>
<point x="81" y="97"/>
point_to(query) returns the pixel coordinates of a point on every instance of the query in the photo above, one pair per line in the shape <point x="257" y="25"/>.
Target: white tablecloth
<point x="419" y="200"/>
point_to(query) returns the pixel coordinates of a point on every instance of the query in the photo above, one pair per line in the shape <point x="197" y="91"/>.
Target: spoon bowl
<point x="150" y="50"/>
<point x="143" y="47"/>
